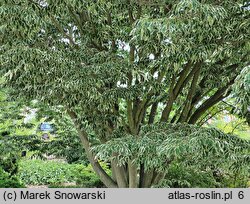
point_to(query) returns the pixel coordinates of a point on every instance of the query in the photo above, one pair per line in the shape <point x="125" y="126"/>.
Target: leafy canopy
<point x="121" y="67"/>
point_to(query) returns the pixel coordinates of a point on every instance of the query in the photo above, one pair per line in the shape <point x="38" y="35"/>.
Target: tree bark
<point x="158" y="177"/>
<point x="147" y="178"/>
<point x="153" y="113"/>
<point x="120" y="175"/>
<point x="132" y="168"/>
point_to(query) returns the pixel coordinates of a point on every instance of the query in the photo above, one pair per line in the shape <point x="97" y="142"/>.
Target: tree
<point x="138" y="73"/>
<point x="19" y="132"/>
<point x="65" y="143"/>
<point x="15" y="136"/>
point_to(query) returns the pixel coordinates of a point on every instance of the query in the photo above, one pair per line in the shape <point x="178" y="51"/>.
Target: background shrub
<point x="180" y="175"/>
<point x="55" y="174"/>
<point x="7" y="181"/>
<point x="87" y="177"/>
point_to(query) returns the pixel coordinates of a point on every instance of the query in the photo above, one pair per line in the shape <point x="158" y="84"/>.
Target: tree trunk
<point x="120" y="175"/>
<point x="146" y="179"/>
<point x="132" y="168"/>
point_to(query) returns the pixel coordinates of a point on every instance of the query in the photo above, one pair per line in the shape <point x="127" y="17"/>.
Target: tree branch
<point x="173" y="91"/>
<point x="218" y="96"/>
<point x="201" y="122"/>
<point x="129" y="102"/>
<point x="130" y="13"/>
<point x="203" y="91"/>
<point x="152" y="113"/>
<point x="187" y="106"/>
<point x="60" y="28"/>
<point x="105" y="178"/>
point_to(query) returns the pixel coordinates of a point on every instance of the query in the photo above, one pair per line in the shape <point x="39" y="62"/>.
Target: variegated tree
<point x="141" y="74"/>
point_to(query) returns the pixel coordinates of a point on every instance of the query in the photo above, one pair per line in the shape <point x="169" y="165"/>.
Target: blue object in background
<point x="46" y="127"/>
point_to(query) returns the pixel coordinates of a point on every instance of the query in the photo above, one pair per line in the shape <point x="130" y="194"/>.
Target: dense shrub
<point x="179" y="176"/>
<point x="87" y="177"/>
<point x="7" y="181"/>
<point x="9" y="163"/>
<point x="38" y="172"/>
<point x="182" y="176"/>
<point x="64" y="186"/>
<point x="54" y="174"/>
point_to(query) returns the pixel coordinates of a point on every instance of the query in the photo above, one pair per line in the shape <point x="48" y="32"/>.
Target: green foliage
<point x="87" y="177"/>
<point x="124" y="70"/>
<point x="242" y="93"/>
<point x="9" y="163"/>
<point x="7" y="181"/>
<point x="231" y="124"/>
<point x="18" y="135"/>
<point x="37" y="172"/>
<point x="68" y="47"/>
<point x="15" y="135"/>
<point x="64" y="186"/>
<point x="161" y="143"/>
<point x="66" y="143"/>
<point x="179" y="176"/>
<point x="54" y="173"/>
